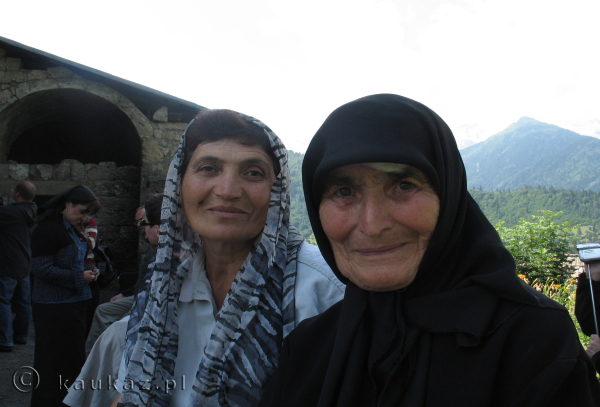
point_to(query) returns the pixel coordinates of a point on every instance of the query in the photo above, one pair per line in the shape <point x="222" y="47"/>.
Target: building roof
<point x="148" y="100"/>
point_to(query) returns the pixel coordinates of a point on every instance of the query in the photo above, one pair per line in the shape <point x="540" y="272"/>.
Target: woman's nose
<point x="228" y="186"/>
<point x="374" y="218"/>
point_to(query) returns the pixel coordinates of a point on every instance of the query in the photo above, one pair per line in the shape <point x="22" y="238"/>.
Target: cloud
<point x="481" y="65"/>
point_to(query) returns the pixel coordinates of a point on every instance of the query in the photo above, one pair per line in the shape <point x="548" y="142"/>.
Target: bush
<point x="540" y="247"/>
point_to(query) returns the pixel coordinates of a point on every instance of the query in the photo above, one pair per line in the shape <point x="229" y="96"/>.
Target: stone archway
<point x="66" y="108"/>
<point x="66" y="131"/>
<point x="37" y="96"/>
<point x="49" y="126"/>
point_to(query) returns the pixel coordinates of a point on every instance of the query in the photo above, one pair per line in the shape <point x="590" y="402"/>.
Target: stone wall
<point x="27" y="99"/>
<point x="159" y="137"/>
<point x="159" y="151"/>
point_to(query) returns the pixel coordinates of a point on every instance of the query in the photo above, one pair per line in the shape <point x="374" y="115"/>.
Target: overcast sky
<point x="480" y="64"/>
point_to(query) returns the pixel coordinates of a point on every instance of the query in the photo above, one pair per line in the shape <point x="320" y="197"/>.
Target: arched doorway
<point x="50" y="126"/>
<point x="59" y="138"/>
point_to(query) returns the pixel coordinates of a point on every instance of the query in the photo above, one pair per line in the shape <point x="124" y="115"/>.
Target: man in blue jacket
<point x="16" y="224"/>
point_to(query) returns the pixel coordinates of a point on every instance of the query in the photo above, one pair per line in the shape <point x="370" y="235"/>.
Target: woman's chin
<point x="228" y="238"/>
<point x="383" y="283"/>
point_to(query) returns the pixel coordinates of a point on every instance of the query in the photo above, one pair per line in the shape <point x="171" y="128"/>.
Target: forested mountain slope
<point x="532" y="153"/>
<point x="578" y="207"/>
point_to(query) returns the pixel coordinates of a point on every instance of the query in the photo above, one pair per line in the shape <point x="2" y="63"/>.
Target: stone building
<point x="64" y="124"/>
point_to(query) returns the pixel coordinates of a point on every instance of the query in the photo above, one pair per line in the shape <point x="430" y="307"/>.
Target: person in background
<point x="120" y="304"/>
<point x="128" y="279"/>
<point x="61" y="292"/>
<point x="89" y="230"/>
<point x="434" y="313"/>
<point x="16" y="225"/>
<point x="140" y="215"/>
<point x="584" y="309"/>
<point x="105" y="356"/>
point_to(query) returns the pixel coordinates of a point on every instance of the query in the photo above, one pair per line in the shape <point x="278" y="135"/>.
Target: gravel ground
<point x="13" y="365"/>
<point x="11" y="362"/>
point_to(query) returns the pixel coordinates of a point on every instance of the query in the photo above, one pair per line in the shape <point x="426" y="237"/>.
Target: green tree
<point x="540" y="246"/>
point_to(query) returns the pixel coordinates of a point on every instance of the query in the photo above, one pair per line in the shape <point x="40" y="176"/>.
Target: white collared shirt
<point x="315" y="291"/>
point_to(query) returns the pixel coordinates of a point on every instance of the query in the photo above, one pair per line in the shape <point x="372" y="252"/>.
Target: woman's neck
<point x="222" y="262"/>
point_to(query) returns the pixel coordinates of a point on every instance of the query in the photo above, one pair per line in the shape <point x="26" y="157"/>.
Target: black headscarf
<point x="77" y="194"/>
<point x="464" y="272"/>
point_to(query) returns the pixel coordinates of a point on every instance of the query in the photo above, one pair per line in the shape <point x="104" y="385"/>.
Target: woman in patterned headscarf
<point x="232" y="277"/>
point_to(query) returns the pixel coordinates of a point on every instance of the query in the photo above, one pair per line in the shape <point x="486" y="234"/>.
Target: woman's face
<point x="378" y="223"/>
<point x="75" y="214"/>
<point x="226" y="191"/>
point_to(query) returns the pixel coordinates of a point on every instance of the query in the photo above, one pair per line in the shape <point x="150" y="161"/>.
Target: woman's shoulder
<point x="319" y="326"/>
<point x="49" y="225"/>
<point x="548" y="330"/>
<point x="512" y="314"/>
<point x="540" y="350"/>
<point x="49" y="236"/>
<point x="546" y="310"/>
<point x="539" y="316"/>
<point x="316" y="287"/>
<point x="312" y="341"/>
<point x="312" y="264"/>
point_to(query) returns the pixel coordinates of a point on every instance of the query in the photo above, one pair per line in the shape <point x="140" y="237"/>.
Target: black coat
<point x="16" y="225"/>
<point x="584" y="310"/>
<point x="497" y="371"/>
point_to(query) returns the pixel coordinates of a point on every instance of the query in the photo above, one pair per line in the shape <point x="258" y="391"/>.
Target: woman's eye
<point x="207" y="168"/>
<point x="405" y="186"/>
<point x="254" y="173"/>
<point x="343" y="192"/>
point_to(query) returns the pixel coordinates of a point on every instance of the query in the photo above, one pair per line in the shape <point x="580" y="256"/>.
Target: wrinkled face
<point x="226" y="191"/>
<point x="378" y="223"/>
<point x="75" y="214"/>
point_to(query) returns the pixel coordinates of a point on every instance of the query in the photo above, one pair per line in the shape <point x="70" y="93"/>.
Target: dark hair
<point x="26" y="190"/>
<point x="78" y="195"/>
<point x="153" y="207"/>
<point x="221" y="124"/>
<point x="93" y="206"/>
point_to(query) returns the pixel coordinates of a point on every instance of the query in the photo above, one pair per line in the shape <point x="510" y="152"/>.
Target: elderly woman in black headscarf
<point x="434" y="314"/>
<point x="61" y="292"/>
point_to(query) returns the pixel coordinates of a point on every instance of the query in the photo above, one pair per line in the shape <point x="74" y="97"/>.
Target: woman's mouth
<point x="379" y="250"/>
<point x="226" y="212"/>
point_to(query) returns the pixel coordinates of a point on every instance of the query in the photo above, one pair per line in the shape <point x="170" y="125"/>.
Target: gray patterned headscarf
<point x="258" y="311"/>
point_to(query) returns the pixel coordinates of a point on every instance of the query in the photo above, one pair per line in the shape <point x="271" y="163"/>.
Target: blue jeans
<point x="15" y="292"/>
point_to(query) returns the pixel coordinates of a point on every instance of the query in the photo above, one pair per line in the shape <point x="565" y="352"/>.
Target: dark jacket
<point x="54" y="256"/>
<point x="147" y="258"/>
<point x="584" y="310"/>
<point x="16" y="225"/>
<point x="554" y="371"/>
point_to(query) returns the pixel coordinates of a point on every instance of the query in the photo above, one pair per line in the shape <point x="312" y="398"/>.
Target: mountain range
<point x="532" y="153"/>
